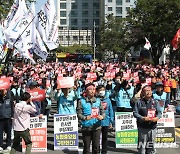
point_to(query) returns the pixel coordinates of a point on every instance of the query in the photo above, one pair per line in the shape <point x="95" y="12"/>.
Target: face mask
<point x="102" y="93"/>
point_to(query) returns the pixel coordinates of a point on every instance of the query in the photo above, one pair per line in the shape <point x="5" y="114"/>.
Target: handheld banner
<point x="4" y="83"/>
<point x="38" y="132"/>
<point x="65" y="82"/>
<point x="65" y="132"/>
<point x="126" y="130"/>
<point x="37" y="94"/>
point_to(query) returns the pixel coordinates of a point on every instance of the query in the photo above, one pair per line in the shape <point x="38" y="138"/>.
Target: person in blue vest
<point x="17" y="91"/>
<point x="66" y="102"/>
<point x="125" y="93"/>
<point x="160" y="96"/>
<point x="90" y="111"/>
<point x="109" y="118"/>
<point x="147" y="112"/>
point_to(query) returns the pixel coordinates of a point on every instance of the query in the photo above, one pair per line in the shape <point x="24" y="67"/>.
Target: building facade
<point x="82" y="16"/>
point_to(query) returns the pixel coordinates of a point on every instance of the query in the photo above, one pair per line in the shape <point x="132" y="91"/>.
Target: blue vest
<point x="122" y="98"/>
<point x="161" y="99"/>
<point x="87" y="109"/>
<point x="109" y="118"/>
<point x="66" y="104"/>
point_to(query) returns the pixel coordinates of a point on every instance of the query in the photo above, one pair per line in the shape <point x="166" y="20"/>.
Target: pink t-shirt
<point x="22" y="113"/>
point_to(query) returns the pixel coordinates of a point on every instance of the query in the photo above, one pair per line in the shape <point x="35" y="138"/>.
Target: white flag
<point x="46" y="24"/>
<point x="12" y="13"/>
<point x="39" y="47"/>
<point x="19" y="24"/>
<point x="147" y="45"/>
<point x="1" y="35"/>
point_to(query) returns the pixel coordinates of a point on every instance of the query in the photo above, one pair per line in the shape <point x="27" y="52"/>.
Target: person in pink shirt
<point x="21" y="122"/>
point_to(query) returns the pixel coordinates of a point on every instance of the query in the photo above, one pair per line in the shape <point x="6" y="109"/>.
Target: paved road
<point x="111" y="141"/>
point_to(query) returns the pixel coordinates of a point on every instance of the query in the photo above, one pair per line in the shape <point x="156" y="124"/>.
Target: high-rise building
<point x="85" y="15"/>
<point x="78" y="14"/>
<point x="118" y="8"/>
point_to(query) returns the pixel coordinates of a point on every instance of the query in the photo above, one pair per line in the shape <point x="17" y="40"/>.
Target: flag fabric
<point x="38" y="47"/>
<point x="1" y="35"/>
<point x="176" y="40"/>
<point x="147" y="45"/>
<point x="46" y="23"/>
<point x="12" y="12"/>
<point x="19" y="24"/>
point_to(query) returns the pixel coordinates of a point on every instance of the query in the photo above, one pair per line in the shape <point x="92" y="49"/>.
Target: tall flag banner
<point x="39" y="47"/>
<point x="25" y="41"/>
<point x="19" y="24"/>
<point x="12" y="13"/>
<point x="176" y="40"/>
<point x="147" y="45"/>
<point x="1" y="35"/>
<point x="46" y="23"/>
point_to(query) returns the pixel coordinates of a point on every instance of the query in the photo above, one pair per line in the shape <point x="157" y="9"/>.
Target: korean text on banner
<point x="37" y="94"/>
<point x="4" y="83"/>
<point x="126" y="130"/>
<point x="65" y="82"/>
<point x="65" y="132"/>
<point x="38" y="132"/>
<point x="165" y="135"/>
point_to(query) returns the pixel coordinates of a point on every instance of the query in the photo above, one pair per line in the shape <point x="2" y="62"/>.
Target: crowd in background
<point x="100" y="89"/>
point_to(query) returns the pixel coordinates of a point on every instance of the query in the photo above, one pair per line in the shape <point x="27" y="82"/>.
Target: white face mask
<point x="102" y="93"/>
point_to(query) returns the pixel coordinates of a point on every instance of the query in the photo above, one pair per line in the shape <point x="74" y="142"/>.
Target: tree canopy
<point x="156" y="20"/>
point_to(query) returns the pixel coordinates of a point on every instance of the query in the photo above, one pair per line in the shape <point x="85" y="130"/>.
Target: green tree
<point x="158" y="20"/>
<point x="112" y="35"/>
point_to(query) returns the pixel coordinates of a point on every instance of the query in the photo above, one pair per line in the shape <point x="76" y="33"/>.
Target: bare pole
<point x="94" y="41"/>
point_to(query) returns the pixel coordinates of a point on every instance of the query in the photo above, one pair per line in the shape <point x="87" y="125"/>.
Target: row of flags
<point x="27" y="30"/>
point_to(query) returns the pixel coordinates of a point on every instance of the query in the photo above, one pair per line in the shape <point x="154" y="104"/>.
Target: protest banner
<point x="126" y="130"/>
<point x="91" y="76"/>
<point x="165" y="137"/>
<point x="126" y="76"/>
<point x="38" y="132"/>
<point x="37" y="94"/>
<point x="65" y="82"/>
<point x="4" y="83"/>
<point x="65" y="132"/>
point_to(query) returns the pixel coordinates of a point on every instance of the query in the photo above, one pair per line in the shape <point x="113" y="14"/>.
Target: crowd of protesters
<point x="100" y="89"/>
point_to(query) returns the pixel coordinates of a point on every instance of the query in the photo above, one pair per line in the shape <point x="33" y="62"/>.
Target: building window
<point x="73" y="5"/>
<point x="84" y="13"/>
<point x="118" y="10"/>
<point x="96" y="22"/>
<point x="84" y="5"/>
<point x="74" y="21"/>
<point x="61" y="38"/>
<point x="68" y="38"/>
<point x="62" y="5"/>
<point x="127" y="1"/>
<point x="110" y="1"/>
<point x="74" y="13"/>
<point x="85" y="21"/>
<point x="81" y="38"/>
<point x="127" y="9"/>
<point x="95" y="13"/>
<point x="63" y="21"/>
<point x="75" y="38"/>
<point x="95" y="5"/>
<point x="110" y="9"/>
<point x="63" y="13"/>
<point x="74" y="28"/>
<point x="118" y="2"/>
<point x="88" y="38"/>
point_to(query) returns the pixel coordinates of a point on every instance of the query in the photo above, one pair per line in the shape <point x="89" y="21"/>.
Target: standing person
<point x="147" y="112"/>
<point x="21" y="123"/>
<point x="66" y="102"/>
<point x="6" y="115"/>
<point x="160" y="96"/>
<point x="125" y="92"/>
<point x="90" y="111"/>
<point x="167" y="87"/>
<point x="173" y="89"/>
<point x="109" y="118"/>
